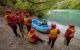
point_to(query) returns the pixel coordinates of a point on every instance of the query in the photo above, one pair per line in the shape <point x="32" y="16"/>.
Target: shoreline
<point x="64" y="27"/>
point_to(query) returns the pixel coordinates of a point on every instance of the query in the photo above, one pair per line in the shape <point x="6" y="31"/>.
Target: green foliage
<point x="68" y="4"/>
<point x="41" y="7"/>
<point x="36" y="7"/>
<point x="6" y="2"/>
<point x="21" y="5"/>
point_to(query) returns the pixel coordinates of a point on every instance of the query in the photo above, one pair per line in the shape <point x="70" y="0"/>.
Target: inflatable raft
<point x="37" y="26"/>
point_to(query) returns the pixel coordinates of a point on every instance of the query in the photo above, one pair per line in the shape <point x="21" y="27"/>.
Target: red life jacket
<point x="28" y="22"/>
<point x="17" y="18"/>
<point x="20" y="18"/>
<point x="53" y="34"/>
<point x="32" y="37"/>
<point x="69" y="32"/>
<point x="12" y="20"/>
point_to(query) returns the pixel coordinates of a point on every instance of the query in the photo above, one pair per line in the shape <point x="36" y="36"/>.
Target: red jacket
<point x="12" y="20"/>
<point x="28" y="22"/>
<point x="20" y="18"/>
<point x="68" y="32"/>
<point x="34" y="36"/>
<point x="58" y="32"/>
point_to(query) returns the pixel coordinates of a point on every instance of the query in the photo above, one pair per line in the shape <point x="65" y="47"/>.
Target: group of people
<point x="18" y="18"/>
<point x="53" y="34"/>
<point x="21" y="19"/>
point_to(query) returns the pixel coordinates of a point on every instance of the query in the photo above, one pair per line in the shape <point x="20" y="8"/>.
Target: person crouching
<point x="28" y="23"/>
<point x="32" y="37"/>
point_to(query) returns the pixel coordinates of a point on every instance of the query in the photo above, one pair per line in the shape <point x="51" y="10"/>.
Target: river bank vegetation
<point x="40" y="7"/>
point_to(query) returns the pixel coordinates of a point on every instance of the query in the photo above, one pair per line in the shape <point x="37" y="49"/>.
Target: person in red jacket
<point x="12" y="22"/>
<point x="53" y="34"/>
<point x="28" y="22"/>
<point x="69" y="34"/>
<point x="32" y="37"/>
<point x="20" y="20"/>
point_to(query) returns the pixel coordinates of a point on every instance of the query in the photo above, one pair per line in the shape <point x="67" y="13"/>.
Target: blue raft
<point x="37" y="26"/>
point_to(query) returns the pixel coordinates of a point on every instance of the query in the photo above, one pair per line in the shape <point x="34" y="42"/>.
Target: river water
<point x="63" y="18"/>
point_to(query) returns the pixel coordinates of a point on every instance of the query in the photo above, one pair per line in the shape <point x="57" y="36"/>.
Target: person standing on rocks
<point x="12" y="21"/>
<point x="28" y="22"/>
<point x="20" y="20"/>
<point x="69" y="34"/>
<point x="53" y="35"/>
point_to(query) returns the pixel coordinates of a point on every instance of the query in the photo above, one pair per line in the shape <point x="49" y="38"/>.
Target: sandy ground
<point x="8" y="41"/>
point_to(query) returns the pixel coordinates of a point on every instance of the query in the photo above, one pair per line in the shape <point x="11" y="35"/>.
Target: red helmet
<point x="8" y="11"/>
<point x="20" y="12"/>
<point x="53" y="25"/>
<point x="17" y="13"/>
<point x="71" y="26"/>
<point x="27" y="14"/>
<point x="32" y="30"/>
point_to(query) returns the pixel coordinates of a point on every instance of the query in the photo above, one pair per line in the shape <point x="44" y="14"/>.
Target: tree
<point x="68" y="4"/>
<point x="7" y="2"/>
<point x="39" y="7"/>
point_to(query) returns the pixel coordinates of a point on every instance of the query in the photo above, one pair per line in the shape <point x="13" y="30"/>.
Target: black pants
<point x="39" y="40"/>
<point x="28" y="27"/>
<point x="14" y="28"/>
<point x="51" y="42"/>
<point x="68" y="41"/>
<point x="20" y="24"/>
